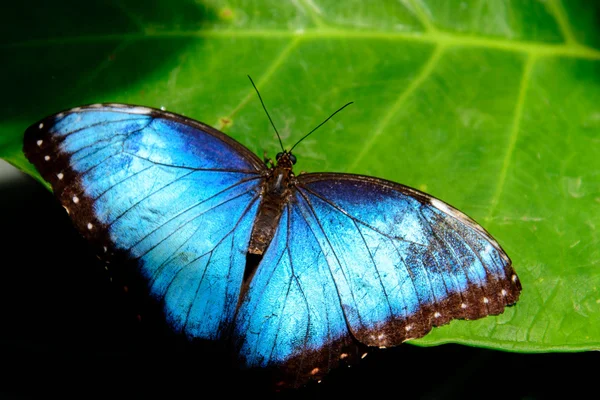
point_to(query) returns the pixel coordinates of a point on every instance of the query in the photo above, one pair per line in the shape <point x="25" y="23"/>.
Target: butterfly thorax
<point x="276" y="193"/>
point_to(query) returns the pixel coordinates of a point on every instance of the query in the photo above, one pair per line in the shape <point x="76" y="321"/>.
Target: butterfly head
<point x="285" y="159"/>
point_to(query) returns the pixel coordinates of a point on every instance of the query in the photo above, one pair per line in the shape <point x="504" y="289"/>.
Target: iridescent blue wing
<point x="402" y="260"/>
<point x="291" y="319"/>
<point x="174" y="195"/>
<point x="362" y="258"/>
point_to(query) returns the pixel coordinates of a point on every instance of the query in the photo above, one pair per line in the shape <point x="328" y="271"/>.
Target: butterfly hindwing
<point x="292" y="317"/>
<point x="174" y="195"/>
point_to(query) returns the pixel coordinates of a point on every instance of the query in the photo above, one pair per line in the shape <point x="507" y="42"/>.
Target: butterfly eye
<point x="292" y="158"/>
<point x="278" y="156"/>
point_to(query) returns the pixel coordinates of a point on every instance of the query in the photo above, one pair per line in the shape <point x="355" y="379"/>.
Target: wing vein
<point x="375" y="267"/>
<point x="196" y="205"/>
<point x="344" y="212"/>
<point x="211" y="252"/>
<point x="170" y="257"/>
<point x="121" y="143"/>
<point x="241" y="171"/>
<point x="306" y="302"/>
<point x="122" y="181"/>
<point x="322" y="250"/>
<point x="458" y="260"/>
<point x="101" y="123"/>
<point x="438" y="240"/>
<point x="412" y="281"/>
<point x="481" y="286"/>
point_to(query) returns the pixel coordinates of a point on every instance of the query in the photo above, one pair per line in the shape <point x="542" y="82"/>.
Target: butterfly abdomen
<point x="277" y="192"/>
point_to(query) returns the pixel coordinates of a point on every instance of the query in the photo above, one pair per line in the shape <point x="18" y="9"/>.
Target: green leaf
<point x="493" y="107"/>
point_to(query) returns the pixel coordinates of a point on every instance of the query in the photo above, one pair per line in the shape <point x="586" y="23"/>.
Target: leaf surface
<point x="490" y="106"/>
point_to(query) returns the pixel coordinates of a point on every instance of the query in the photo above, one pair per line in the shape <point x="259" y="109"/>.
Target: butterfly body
<point x="296" y="272"/>
<point x="277" y="191"/>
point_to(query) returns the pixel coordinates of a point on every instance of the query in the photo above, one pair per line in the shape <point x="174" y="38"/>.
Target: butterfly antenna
<point x="265" y="108"/>
<point x="318" y="126"/>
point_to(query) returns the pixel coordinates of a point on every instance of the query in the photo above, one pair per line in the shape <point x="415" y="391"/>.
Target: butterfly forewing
<point x="175" y="196"/>
<point x="403" y="261"/>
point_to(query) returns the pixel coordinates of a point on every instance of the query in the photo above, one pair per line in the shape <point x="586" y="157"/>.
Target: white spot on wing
<point x="60" y="176"/>
<point x="437" y="314"/>
<point x="408" y="328"/>
<point x="485" y="300"/>
<point x="463" y="306"/>
<point x="47" y="158"/>
<point x="139" y="110"/>
<point x="364" y="355"/>
<point x="76" y="109"/>
<point x="75" y="199"/>
<point x="41" y="125"/>
<point x="514" y="278"/>
<point x="39" y="142"/>
<point x="440" y="205"/>
<point x="503" y="292"/>
<point x="90" y="226"/>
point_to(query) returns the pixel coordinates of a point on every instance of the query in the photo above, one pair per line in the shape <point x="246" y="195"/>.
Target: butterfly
<point x="296" y="273"/>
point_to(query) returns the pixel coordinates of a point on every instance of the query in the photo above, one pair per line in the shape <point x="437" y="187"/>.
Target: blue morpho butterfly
<point x="294" y="272"/>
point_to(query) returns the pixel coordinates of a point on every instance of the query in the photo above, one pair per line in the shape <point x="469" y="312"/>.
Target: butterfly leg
<point x="268" y="161"/>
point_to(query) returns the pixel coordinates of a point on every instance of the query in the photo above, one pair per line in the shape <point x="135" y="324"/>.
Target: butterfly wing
<point x="404" y="261"/>
<point x="362" y="258"/>
<point x="175" y="196"/>
<point x="291" y="318"/>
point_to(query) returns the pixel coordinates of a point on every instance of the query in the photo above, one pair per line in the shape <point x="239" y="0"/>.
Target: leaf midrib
<point x="537" y="49"/>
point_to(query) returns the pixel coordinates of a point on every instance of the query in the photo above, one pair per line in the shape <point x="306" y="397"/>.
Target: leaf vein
<point x="425" y="73"/>
<point x="514" y="133"/>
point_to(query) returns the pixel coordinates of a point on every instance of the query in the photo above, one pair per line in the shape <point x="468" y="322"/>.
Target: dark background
<point x="67" y="332"/>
